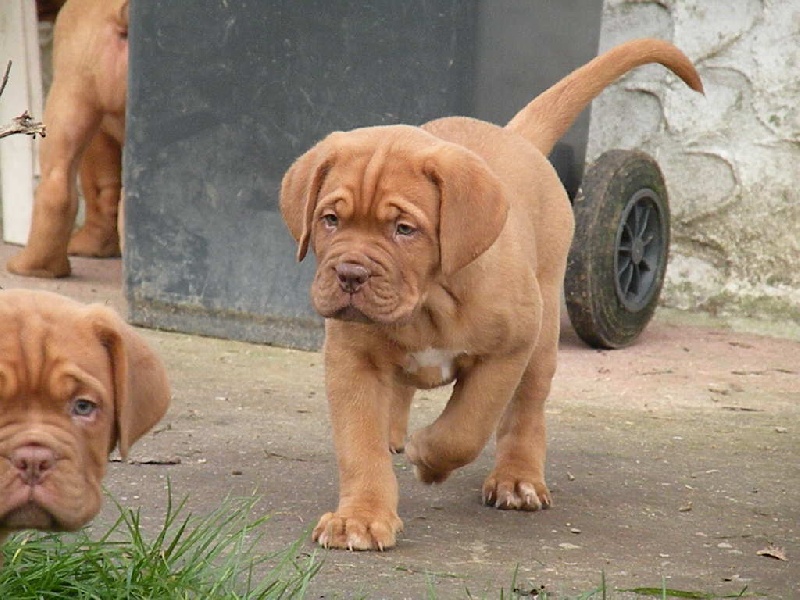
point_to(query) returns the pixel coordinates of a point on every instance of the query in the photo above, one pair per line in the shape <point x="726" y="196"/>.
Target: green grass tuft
<point x="210" y="557"/>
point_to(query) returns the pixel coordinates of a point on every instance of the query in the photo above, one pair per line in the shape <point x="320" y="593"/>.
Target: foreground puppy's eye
<point x="330" y="220"/>
<point x="404" y="229"/>
<point x="81" y="407"/>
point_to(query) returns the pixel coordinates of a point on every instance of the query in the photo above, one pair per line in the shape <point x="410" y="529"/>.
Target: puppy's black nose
<point x="32" y="462"/>
<point x="351" y="276"/>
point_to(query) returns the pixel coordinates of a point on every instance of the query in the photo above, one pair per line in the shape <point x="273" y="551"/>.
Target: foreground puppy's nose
<point x="33" y="462"/>
<point x="351" y="276"/>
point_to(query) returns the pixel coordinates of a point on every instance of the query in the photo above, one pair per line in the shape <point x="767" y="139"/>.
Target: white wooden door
<point x="19" y="169"/>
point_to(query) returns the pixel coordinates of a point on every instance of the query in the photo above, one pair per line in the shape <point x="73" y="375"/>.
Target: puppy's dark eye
<point x="81" y="407"/>
<point x="404" y="229"/>
<point x="330" y="220"/>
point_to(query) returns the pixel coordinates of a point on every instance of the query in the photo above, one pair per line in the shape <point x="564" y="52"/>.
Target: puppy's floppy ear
<point x="300" y="191"/>
<point x="472" y="205"/>
<point x="141" y="389"/>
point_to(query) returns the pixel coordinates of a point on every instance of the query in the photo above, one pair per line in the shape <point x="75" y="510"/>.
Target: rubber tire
<point x="600" y="312"/>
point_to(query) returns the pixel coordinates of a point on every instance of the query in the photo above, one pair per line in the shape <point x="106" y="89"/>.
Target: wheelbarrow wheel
<point x="618" y="258"/>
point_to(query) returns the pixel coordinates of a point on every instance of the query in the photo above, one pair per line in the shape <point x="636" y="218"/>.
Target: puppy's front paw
<point x="365" y="531"/>
<point x="507" y="491"/>
<point x="418" y="453"/>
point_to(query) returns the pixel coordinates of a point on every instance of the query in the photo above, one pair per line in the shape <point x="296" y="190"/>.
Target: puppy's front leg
<point x="359" y="396"/>
<point x="459" y="434"/>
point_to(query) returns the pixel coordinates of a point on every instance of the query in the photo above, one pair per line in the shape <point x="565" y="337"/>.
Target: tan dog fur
<point x="75" y="381"/>
<point x="85" y="119"/>
<point x="441" y="253"/>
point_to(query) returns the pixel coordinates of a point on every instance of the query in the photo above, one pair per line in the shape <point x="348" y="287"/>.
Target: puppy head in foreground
<point x="386" y="210"/>
<point x="75" y="382"/>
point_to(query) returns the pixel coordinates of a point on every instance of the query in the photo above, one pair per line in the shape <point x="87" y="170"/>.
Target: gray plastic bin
<point x="224" y="95"/>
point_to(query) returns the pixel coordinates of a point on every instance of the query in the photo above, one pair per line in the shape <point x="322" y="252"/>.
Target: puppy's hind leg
<point x="517" y="481"/>
<point x="100" y="177"/>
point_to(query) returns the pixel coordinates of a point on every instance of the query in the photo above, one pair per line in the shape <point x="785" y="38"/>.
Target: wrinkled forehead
<point x="380" y="170"/>
<point x="43" y="351"/>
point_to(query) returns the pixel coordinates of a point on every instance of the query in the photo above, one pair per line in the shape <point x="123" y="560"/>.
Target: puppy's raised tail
<point x="545" y="119"/>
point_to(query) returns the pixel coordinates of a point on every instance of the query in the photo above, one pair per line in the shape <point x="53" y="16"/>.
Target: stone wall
<point x="731" y="159"/>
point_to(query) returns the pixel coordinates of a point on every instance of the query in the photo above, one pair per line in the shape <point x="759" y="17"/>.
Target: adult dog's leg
<point x="101" y="182"/>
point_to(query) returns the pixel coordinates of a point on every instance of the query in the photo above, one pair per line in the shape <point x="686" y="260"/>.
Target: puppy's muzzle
<point x="352" y="276"/>
<point x="33" y="462"/>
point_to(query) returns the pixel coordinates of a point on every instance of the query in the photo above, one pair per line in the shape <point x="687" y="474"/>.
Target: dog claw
<point x="513" y="494"/>
<point x="357" y="533"/>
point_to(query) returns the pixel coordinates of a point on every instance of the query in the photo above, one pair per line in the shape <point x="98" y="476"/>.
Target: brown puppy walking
<point x="441" y="253"/>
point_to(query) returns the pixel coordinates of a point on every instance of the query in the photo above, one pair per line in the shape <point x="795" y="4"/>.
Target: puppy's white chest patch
<point x="433" y="358"/>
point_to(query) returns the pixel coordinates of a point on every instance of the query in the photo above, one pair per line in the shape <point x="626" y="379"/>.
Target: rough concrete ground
<point x="677" y="458"/>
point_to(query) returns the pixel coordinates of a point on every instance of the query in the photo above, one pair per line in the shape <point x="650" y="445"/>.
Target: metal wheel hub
<point x="640" y="247"/>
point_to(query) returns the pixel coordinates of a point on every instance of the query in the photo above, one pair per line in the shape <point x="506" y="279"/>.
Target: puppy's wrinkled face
<point x="388" y="211"/>
<point x="56" y="422"/>
<point x="374" y="231"/>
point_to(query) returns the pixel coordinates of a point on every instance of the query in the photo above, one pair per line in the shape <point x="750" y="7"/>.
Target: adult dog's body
<point x="441" y="255"/>
<point x="85" y="119"/>
<point x="75" y="381"/>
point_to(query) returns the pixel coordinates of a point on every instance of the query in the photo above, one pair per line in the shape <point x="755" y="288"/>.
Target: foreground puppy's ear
<point x="300" y="191"/>
<point x="472" y="206"/>
<point x="141" y="389"/>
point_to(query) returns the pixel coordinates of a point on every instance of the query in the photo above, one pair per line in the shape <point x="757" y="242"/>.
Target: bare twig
<point x="5" y="78"/>
<point x="23" y="123"/>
